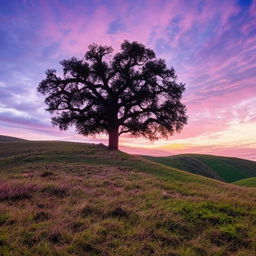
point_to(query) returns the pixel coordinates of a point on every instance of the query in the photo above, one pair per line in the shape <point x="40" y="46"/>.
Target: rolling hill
<point x="4" y="138"/>
<point x="228" y="169"/>
<point x="61" y="198"/>
<point x="250" y="182"/>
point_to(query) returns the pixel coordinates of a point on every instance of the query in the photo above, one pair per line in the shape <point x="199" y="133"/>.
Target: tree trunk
<point x="113" y="139"/>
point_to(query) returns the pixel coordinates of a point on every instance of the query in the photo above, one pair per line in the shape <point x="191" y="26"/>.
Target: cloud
<point x="211" y="44"/>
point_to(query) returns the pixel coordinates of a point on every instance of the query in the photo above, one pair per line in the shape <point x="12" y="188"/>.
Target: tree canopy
<point x="131" y="91"/>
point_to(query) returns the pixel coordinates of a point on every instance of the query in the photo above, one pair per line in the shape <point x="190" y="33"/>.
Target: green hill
<point x="4" y="138"/>
<point x="60" y="199"/>
<point x="228" y="169"/>
<point x="250" y="182"/>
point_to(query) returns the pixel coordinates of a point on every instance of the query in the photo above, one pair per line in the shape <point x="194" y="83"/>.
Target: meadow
<point x="61" y="198"/>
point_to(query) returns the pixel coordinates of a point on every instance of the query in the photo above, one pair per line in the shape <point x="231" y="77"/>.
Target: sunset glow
<point x="211" y="45"/>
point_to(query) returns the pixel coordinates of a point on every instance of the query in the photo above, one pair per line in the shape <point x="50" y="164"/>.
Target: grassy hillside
<point x="250" y="182"/>
<point x="228" y="169"/>
<point x="9" y="139"/>
<point x="60" y="198"/>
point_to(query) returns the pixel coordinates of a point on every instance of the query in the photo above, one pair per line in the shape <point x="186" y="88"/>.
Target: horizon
<point x="211" y="45"/>
<point x="133" y="151"/>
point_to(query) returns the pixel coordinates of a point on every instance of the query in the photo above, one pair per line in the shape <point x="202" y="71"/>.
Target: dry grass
<point x="81" y="208"/>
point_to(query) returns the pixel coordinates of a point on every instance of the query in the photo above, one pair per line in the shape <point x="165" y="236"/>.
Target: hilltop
<point x="228" y="169"/>
<point x="4" y="138"/>
<point x="61" y="198"/>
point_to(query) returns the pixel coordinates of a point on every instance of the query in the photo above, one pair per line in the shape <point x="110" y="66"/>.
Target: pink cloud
<point x="210" y="43"/>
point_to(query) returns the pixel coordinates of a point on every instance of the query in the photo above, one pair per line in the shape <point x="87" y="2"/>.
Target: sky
<point x="211" y="45"/>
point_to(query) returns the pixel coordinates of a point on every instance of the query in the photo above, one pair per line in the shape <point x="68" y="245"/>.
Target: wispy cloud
<point x="211" y="44"/>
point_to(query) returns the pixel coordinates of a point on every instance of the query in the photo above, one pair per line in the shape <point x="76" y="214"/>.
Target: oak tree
<point x="131" y="91"/>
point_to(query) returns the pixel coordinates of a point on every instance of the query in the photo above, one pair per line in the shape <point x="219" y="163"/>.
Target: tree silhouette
<point x="130" y="92"/>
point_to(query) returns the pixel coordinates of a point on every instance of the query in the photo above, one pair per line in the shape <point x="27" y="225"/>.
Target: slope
<point x="250" y="182"/>
<point x="4" y="138"/>
<point x="228" y="169"/>
<point x="60" y="198"/>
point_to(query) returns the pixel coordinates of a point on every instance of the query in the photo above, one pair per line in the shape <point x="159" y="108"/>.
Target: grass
<point x="60" y="198"/>
<point x="250" y="182"/>
<point x="228" y="169"/>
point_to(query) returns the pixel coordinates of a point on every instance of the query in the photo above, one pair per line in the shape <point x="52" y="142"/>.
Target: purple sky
<point x="211" y="44"/>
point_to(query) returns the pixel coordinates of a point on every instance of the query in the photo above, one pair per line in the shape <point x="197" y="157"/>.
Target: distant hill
<point x="4" y="138"/>
<point x="250" y="182"/>
<point x="228" y="169"/>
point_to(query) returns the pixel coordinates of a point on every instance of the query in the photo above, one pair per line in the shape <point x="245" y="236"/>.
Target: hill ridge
<point x="4" y="138"/>
<point x="228" y="169"/>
